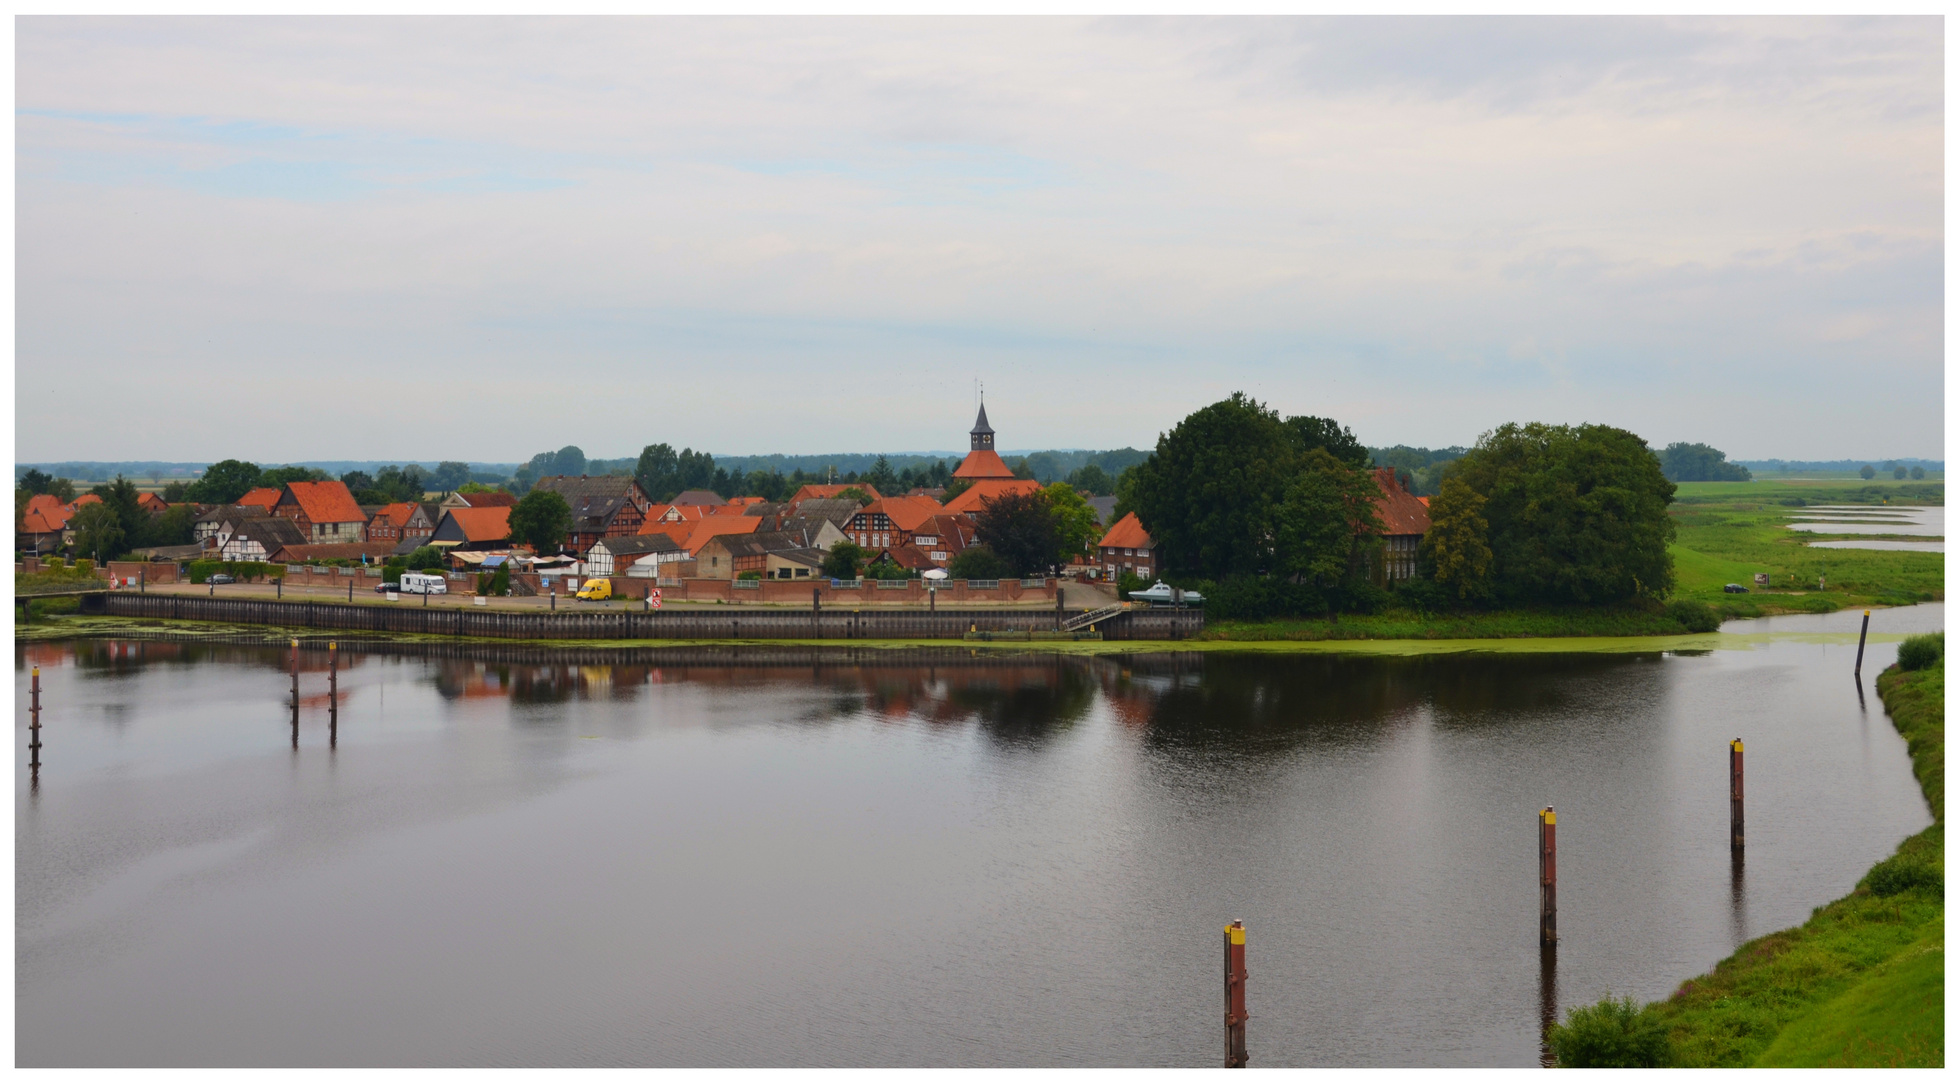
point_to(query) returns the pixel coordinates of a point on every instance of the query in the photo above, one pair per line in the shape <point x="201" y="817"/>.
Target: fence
<point x="1164" y="624"/>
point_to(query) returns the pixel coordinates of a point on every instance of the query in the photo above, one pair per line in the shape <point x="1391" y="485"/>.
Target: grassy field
<point x="1860" y="983"/>
<point x="1727" y="532"/>
<point x="1473" y="624"/>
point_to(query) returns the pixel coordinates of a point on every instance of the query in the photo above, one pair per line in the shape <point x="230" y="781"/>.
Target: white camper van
<point x="433" y="584"/>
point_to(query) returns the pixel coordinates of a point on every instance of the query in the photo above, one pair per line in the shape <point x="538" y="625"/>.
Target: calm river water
<point x="917" y="859"/>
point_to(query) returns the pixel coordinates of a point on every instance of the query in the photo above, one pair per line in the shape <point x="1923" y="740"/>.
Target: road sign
<point x="653" y="600"/>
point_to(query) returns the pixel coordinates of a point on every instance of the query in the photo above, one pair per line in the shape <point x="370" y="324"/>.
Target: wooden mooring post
<point x="34" y="727"/>
<point x="1235" y="1015"/>
<point x="295" y="693"/>
<point x="1860" y="645"/>
<point x="1546" y="858"/>
<point x="1736" y="790"/>
<point x="333" y="693"/>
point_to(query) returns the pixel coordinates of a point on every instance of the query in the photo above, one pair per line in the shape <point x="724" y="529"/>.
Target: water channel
<point x="914" y="858"/>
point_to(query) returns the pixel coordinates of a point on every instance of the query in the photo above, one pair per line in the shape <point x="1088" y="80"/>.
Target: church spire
<point x="982" y="431"/>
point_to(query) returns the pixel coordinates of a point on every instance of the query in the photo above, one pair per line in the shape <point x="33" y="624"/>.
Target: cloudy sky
<point x="289" y="239"/>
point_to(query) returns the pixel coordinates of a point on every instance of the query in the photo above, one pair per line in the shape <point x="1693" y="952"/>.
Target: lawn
<point x="1727" y="532"/>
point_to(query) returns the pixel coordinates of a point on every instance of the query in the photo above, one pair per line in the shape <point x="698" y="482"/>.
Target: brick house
<point x="1405" y="521"/>
<point x="1127" y="548"/>
<point x="400" y="521"/>
<point x="601" y="506"/>
<point x="890" y="522"/>
<point x="325" y="510"/>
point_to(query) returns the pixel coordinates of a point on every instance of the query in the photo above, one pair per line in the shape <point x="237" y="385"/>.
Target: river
<point x="914" y="858"/>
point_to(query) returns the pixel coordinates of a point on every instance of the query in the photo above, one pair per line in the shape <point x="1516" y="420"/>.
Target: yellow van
<point x="596" y="589"/>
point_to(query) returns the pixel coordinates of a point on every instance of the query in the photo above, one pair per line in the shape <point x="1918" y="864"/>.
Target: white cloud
<point x="805" y="235"/>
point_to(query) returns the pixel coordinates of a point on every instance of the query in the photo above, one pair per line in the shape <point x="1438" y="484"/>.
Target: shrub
<point x="1902" y="873"/>
<point x="749" y="575"/>
<point x="1919" y="651"/>
<point x="426" y="557"/>
<point x="392" y="574"/>
<point x="1696" y="616"/>
<point x="1133" y="582"/>
<point x="980" y="563"/>
<point x="1362" y="597"/>
<point x="1612" y="1034"/>
<point x="1424" y="595"/>
<point x="499" y="583"/>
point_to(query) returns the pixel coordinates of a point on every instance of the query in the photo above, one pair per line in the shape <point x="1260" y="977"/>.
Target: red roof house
<point x="265" y="497"/>
<point x="1405" y="521"/>
<point x="1127" y="548"/>
<point x="325" y="510"/>
<point x="972" y="499"/>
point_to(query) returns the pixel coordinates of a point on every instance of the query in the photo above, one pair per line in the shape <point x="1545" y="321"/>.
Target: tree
<point x="98" y="532"/>
<point x="1021" y="470"/>
<point x="1900" y="472"/>
<point x="885" y="568"/>
<point x="862" y="497"/>
<point x="1021" y="529"/>
<point x="696" y="470"/>
<point x="1574" y="514"/>
<point x="1916" y="473"/>
<point x="979" y="563"/>
<point x="1868" y="472"/>
<point x="1209" y="495"/>
<point x="173" y="527"/>
<point x="474" y="488"/>
<point x="658" y="472"/>
<point x="357" y="482"/>
<point x="286" y="474"/>
<point x="225" y="482"/>
<point x="1456" y="544"/>
<point x="424" y="558"/>
<point x="1688" y="462"/>
<point x="175" y="491"/>
<point x="842" y="560"/>
<point x="1091" y="478"/>
<point x="882" y="477"/>
<point x="1324" y="433"/>
<point x="450" y="475"/>
<point x="35" y="482"/>
<point x="540" y="519"/>
<point x="1326" y="520"/>
<point x="1078" y="524"/>
<point x="120" y="495"/>
<point x="958" y="486"/>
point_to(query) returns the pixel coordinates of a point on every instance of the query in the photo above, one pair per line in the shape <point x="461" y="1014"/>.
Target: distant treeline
<point x="1843" y="465"/>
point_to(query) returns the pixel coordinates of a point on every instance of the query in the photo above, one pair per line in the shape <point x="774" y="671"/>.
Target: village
<point x="311" y="538"/>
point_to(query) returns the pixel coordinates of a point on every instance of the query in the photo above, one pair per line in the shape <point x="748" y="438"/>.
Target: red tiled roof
<point x="396" y="514"/>
<point x="152" y="502"/>
<point x="324" y="501"/>
<point x="717" y="525"/>
<point x="265" y="497"/>
<point x="42" y="504"/>
<point x="973" y="498"/>
<point x="1399" y="511"/>
<point x="832" y="491"/>
<point x="482" y="524"/>
<point x="42" y="522"/>
<point x="699" y="497"/>
<point x="1127" y="533"/>
<point x="983" y="465"/>
<point x="91" y="497"/>
<point x="906" y="512"/>
<point x="477" y="500"/>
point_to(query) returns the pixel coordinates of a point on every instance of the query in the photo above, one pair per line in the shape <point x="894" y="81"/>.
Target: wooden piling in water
<point x="1546" y="859"/>
<point x="34" y="727"/>
<point x="1235" y="1015"/>
<point x="1736" y="785"/>
<point x="333" y="693"/>
<point x="295" y="693"/>
<point x="1862" y="643"/>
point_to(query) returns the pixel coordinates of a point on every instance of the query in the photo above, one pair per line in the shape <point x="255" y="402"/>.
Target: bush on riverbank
<point x="1919" y="651"/>
<point x="1612" y="1034"/>
<point x="1861" y="982"/>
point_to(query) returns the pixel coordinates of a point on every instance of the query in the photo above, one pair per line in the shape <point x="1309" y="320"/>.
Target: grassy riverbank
<point x="1727" y="532"/>
<point x="1861" y="982"/>
<point x="1487" y="625"/>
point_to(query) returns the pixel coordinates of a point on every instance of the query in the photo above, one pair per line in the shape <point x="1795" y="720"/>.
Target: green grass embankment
<point x="1413" y="625"/>
<point x="1861" y="982"/>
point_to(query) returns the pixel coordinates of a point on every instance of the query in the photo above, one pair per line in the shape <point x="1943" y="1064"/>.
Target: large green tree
<point x="841" y="561"/>
<point x="1078" y="524"/>
<point x="1570" y="515"/>
<point x="1326" y="521"/>
<point x="658" y="472"/>
<point x="1022" y="528"/>
<point x="98" y="532"/>
<point x="1324" y="433"/>
<point x="224" y="483"/>
<point x="1687" y="462"/>
<point x="1209" y="496"/>
<point x="541" y="519"/>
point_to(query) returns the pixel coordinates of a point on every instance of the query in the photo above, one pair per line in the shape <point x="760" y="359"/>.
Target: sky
<point x="478" y="238"/>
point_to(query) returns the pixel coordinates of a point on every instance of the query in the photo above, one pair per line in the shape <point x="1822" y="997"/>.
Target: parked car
<point x="1161" y="593"/>
<point x="1730" y="587"/>
<point x="388" y="586"/>
<point x="596" y="589"/>
<point x="223" y="579"/>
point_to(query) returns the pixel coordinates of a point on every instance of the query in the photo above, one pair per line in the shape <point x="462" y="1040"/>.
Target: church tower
<point x="983" y="463"/>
